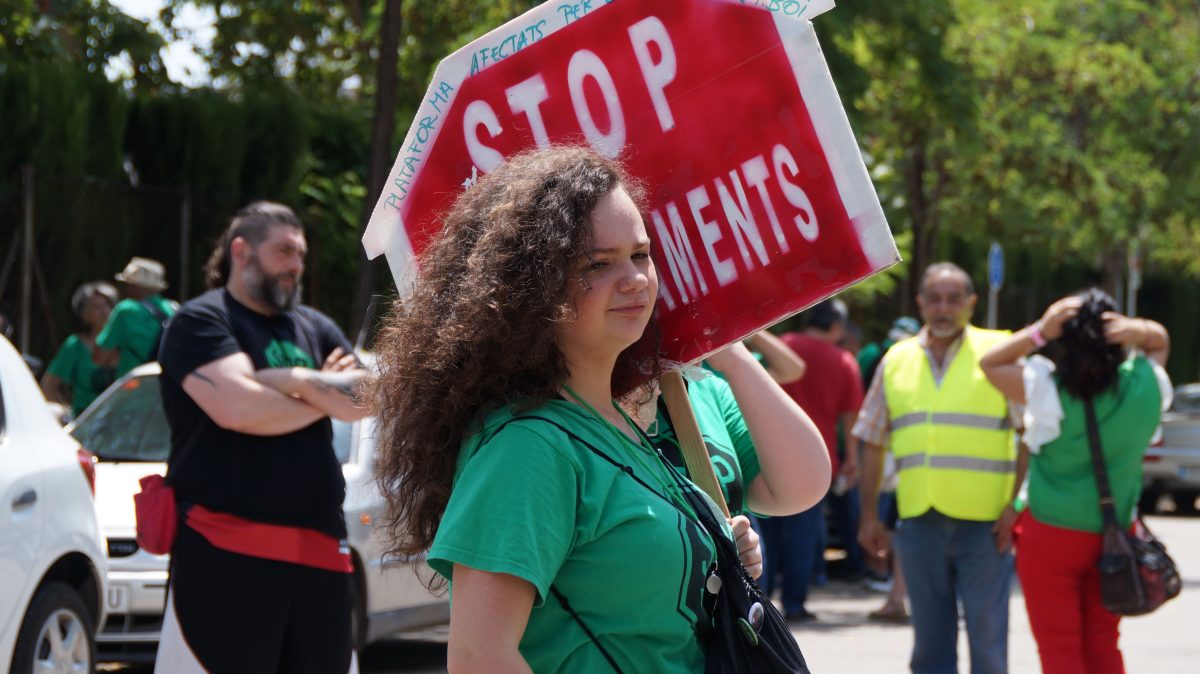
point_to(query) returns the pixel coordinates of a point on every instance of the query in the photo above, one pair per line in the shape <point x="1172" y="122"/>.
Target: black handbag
<point x="1136" y="573"/>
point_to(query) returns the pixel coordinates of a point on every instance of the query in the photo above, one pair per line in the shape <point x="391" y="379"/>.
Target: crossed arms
<point x="279" y="400"/>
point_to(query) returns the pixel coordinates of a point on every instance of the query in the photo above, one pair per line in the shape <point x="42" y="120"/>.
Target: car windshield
<point x="128" y="425"/>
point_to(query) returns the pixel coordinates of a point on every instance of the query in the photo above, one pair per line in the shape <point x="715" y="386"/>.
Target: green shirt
<point x="869" y="358"/>
<point x="1062" y="484"/>
<point x="530" y="501"/>
<point x="723" y="427"/>
<point x="73" y="364"/>
<point x="133" y="331"/>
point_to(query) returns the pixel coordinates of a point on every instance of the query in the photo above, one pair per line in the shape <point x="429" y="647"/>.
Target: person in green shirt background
<point x="871" y="355"/>
<point x="1092" y="353"/>
<point x="73" y="378"/>
<point x="135" y="325"/>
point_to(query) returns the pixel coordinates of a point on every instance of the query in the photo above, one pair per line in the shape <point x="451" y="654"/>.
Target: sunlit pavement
<point x="1165" y="642"/>
<point x="843" y="640"/>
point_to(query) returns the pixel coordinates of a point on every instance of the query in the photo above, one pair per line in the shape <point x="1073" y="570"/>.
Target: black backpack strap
<point x="154" y="311"/>
<point x="624" y="468"/>
<point x="567" y="607"/>
<point x="160" y="316"/>
<point x="628" y="470"/>
<point x="1108" y="511"/>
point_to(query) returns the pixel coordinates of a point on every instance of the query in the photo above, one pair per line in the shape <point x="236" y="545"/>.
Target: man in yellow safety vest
<point x="951" y="435"/>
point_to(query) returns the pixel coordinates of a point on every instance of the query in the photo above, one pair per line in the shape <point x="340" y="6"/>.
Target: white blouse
<point x="1043" y="410"/>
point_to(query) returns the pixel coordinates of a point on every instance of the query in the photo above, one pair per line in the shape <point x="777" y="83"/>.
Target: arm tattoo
<point x="202" y="378"/>
<point x="344" y="383"/>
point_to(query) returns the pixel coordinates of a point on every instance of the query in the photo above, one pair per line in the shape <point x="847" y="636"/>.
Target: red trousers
<point x="1075" y="634"/>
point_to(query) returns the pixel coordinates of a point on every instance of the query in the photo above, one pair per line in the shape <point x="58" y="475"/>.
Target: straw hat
<point x="145" y="273"/>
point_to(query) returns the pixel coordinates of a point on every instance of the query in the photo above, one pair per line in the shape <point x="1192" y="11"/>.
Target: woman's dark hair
<point x="827" y="314"/>
<point x="477" y="331"/>
<point x="253" y="223"/>
<point x="1087" y="364"/>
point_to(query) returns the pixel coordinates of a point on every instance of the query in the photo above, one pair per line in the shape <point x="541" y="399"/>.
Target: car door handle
<point x="25" y="500"/>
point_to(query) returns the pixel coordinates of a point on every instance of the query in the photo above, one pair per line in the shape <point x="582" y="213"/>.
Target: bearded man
<point x="261" y="577"/>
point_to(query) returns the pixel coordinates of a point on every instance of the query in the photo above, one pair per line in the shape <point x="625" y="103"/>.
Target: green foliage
<point x="1065" y="129"/>
<point x="61" y="118"/>
<point x="88" y="33"/>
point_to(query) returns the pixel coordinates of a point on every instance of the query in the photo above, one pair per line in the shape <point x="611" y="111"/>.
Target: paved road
<point x="1164" y="642"/>
<point x="843" y="640"/>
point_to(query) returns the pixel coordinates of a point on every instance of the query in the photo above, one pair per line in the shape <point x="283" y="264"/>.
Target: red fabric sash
<point x="277" y="542"/>
<point x="156" y="515"/>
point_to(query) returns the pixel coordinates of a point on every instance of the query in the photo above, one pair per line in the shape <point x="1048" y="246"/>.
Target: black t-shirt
<point x="291" y="479"/>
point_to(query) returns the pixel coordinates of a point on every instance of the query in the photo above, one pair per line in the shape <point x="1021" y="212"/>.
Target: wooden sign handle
<point x="687" y="431"/>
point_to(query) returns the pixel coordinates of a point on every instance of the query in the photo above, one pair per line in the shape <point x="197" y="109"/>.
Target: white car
<point x="51" y="560"/>
<point x="1172" y="465"/>
<point x="127" y="431"/>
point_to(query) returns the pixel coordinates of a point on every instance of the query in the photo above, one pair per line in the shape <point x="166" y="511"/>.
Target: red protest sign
<point x="760" y="202"/>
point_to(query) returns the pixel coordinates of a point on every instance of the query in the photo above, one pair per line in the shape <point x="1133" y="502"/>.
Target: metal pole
<point x="1135" y="279"/>
<point x="993" y="299"/>
<point x="185" y="236"/>
<point x="27" y="260"/>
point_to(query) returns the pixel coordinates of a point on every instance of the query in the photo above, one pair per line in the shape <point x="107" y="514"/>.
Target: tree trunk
<point x="918" y="212"/>
<point x="382" y="126"/>
<point x="1112" y="268"/>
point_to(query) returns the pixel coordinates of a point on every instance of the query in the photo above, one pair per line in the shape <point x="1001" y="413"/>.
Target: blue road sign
<point x="995" y="264"/>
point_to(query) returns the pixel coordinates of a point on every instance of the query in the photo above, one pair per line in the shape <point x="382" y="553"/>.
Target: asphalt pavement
<point x="843" y="640"/>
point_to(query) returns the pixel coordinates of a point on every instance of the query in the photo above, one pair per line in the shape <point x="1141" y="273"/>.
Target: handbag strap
<point x="691" y="441"/>
<point x="567" y="607"/>
<point x="1108" y="512"/>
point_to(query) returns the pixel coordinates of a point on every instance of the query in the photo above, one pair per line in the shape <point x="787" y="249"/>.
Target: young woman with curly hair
<point x="1116" y="362"/>
<point x="569" y="543"/>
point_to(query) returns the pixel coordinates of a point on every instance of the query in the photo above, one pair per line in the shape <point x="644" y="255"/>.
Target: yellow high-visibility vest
<point x="953" y="443"/>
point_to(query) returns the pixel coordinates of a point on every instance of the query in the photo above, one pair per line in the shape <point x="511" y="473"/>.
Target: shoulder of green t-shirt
<point x="68" y="354"/>
<point x="529" y="415"/>
<point x="869" y="353"/>
<point x="1140" y="369"/>
<point x="164" y="305"/>
<point x="126" y="306"/>
<point x="715" y="388"/>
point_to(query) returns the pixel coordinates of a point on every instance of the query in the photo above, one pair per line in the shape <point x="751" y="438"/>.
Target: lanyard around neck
<point x="668" y="482"/>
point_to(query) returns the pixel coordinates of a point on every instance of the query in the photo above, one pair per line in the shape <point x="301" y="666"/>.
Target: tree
<point x="911" y="102"/>
<point x="1085" y="116"/>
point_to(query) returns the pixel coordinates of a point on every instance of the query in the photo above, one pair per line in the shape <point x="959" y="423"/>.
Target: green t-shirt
<point x="1062" y="484"/>
<point x="869" y="358"/>
<point x="133" y="331"/>
<point x="724" y="429"/>
<point x="73" y="364"/>
<point x="530" y="501"/>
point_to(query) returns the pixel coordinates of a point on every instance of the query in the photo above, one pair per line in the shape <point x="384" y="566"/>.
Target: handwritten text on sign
<point x="704" y="102"/>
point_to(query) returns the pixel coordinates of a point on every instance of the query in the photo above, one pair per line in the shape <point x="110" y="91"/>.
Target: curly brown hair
<point x="477" y="331"/>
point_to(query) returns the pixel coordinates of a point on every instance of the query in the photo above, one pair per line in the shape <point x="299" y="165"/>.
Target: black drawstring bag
<point x="749" y="636"/>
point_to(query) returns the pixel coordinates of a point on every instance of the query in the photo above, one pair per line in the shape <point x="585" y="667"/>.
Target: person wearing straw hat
<point x="133" y="329"/>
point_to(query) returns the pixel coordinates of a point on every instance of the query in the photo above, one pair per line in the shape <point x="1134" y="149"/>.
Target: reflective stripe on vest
<point x="958" y="462"/>
<point x="952" y="419"/>
<point x="952" y="441"/>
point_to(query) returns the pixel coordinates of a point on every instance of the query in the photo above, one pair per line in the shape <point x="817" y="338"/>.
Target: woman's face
<point x="614" y="285"/>
<point x="96" y="310"/>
